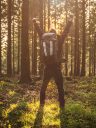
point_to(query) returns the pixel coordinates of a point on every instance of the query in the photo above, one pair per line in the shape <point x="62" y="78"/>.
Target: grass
<point x="19" y="105"/>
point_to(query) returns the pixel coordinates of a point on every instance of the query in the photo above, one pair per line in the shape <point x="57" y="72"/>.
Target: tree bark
<point x="19" y="38"/>
<point x="9" y="59"/>
<point x="83" y="72"/>
<point x="83" y="40"/>
<point x="76" y="45"/>
<point x="0" y="38"/>
<point x="25" y="61"/>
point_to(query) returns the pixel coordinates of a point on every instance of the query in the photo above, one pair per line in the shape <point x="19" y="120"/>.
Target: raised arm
<point x="66" y="30"/>
<point x="38" y="29"/>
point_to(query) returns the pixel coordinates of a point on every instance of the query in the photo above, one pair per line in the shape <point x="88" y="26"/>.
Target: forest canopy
<point x="79" y="47"/>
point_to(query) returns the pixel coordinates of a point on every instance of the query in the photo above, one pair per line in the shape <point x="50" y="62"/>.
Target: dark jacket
<point x="60" y="38"/>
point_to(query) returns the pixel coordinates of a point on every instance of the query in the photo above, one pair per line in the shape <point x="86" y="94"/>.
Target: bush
<point x="77" y="116"/>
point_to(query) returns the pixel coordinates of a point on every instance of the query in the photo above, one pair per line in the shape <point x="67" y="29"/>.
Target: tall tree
<point x="48" y="14"/>
<point x="9" y="62"/>
<point x="34" y="39"/>
<point x="90" y="58"/>
<point x="55" y="2"/>
<point x="44" y="19"/>
<point x="94" y="64"/>
<point x="66" y="43"/>
<point x="19" y="36"/>
<point x="13" y="41"/>
<point x="83" y="39"/>
<point x="25" y="61"/>
<point x="34" y="49"/>
<point x="42" y="26"/>
<point x="0" y="37"/>
<point x="41" y="13"/>
<point x="76" y="45"/>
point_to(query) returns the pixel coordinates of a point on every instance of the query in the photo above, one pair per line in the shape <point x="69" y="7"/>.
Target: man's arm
<point x="66" y="30"/>
<point x="38" y="29"/>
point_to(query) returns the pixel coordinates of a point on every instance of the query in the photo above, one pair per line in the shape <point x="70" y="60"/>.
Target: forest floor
<point x="19" y="105"/>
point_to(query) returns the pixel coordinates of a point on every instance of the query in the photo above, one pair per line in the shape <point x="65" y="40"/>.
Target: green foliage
<point x="15" y="114"/>
<point x="77" y="116"/>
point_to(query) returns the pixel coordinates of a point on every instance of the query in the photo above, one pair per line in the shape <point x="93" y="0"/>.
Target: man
<point x="51" y="47"/>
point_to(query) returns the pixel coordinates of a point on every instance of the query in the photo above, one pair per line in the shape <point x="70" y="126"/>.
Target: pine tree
<point x="83" y="71"/>
<point x="0" y="37"/>
<point x="9" y="61"/>
<point x="25" y="61"/>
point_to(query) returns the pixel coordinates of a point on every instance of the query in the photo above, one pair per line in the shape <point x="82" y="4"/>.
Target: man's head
<point x="51" y="35"/>
<point x="52" y="30"/>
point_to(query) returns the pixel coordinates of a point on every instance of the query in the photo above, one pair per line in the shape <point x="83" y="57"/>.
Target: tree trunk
<point x="55" y="14"/>
<point x="34" y="61"/>
<point x="19" y="39"/>
<point x="48" y="14"/>
<point x="41" y="26"/>
<point x="71" y="73"/>
<point x="13" y="42"/>
<point x="66" y="57"/>
<point x="94" y="54"/>
<point x="83" y="72"/>
<point x="9" y="62"/>
<point x="44" y="19"/>
<point x="76" y="45"/>
<point x="41" y="14"/>
<point x="0" y="38"/>
<point x="25" y="61"/>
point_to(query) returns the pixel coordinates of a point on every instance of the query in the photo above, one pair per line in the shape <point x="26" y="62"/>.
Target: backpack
<point x="49" y="48"/>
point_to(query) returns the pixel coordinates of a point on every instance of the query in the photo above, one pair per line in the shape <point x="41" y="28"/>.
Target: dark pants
<point x="52" y="71"/>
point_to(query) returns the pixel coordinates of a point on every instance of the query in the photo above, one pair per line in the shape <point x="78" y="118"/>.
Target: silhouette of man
<point x="51" y="47"/>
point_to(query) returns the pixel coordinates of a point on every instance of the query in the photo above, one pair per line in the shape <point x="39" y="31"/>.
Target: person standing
<point x="51" y="47"/>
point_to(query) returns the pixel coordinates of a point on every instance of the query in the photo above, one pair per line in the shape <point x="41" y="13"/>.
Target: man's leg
<point x="46" y="79"/>
<point x="59" y="81"/>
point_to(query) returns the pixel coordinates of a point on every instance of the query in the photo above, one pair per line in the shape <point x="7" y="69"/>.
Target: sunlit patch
<point x="51" y="113"/>
<point x="11" y="93"/>
<point x="1" y="103"/>
<point x="29" y="117"/>
<point x="6" y="111"/>
<point x="2" y="83"/>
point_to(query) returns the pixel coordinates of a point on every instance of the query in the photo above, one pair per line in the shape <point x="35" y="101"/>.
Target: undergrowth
<point x="19" y="105"/>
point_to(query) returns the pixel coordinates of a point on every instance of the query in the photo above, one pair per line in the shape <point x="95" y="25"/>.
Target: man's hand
<point x="69" y="23"/>
<point x="34" y="20"/>
<point x="37" y="27"/>
<point x="70" y="19"/>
